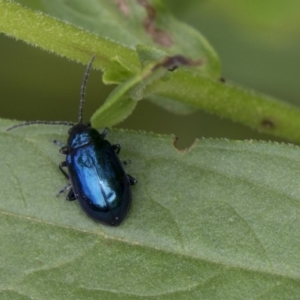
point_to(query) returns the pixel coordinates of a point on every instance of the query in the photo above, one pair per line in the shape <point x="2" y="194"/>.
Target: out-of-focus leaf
<point x="65" y="39"/>
<point x="135" y="22"/>
<point x="264" y="18"/>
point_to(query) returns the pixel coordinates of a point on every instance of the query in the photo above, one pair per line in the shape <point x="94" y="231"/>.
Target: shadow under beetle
<point x="97" y="177"/>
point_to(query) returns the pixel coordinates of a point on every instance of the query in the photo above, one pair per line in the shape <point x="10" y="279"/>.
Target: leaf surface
<point x="217" y="221"/>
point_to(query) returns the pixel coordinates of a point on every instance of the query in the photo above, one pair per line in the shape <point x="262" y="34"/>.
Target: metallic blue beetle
<point x="97" y="177"/>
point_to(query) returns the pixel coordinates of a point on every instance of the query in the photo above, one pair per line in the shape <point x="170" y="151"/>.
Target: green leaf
<point x="137" y="22"/>
<point x="258" y="111"/>
<point x="146" y="22"/>
<point x="117" y="107"/>
<point x="184" y="91"/>
<point x="121" y="102"/>
<point x="218" y="221"/>
<point x="65" y="39"/>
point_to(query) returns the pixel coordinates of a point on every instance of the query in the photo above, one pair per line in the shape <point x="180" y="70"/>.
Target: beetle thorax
<point x="80" y="135"/>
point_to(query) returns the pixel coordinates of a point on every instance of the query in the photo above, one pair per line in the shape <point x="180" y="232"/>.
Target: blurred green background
<point x="258" y="43"/>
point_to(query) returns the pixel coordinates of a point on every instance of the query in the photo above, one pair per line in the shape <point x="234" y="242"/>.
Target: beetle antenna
<point x="83" y="87"/>
<point x="40" y="122"/>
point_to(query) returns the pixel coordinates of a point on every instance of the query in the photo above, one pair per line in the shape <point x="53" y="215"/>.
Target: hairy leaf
<point x="217" y="221"/>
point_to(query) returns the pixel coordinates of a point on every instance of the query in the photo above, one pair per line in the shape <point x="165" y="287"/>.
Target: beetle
<point x="97" y="178"/>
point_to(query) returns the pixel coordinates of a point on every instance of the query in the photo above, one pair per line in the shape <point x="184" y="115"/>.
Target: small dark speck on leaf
<point x="268" y="124"/>
<point x="159" y="36"/>
<point x="222" y="79"/>
<point x="173" y="62"/>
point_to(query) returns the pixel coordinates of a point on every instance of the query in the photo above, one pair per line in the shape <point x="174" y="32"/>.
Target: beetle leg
<point x="117" y="148"/>
<point x="58" y="143"/>
<point x="71" y="196"/>
<point x="104" y="132"/>
<point x="64" y="189"/>
<point x="131" y="179"/>
<point x="61" y="166"/>
<point x="64" y="150"/>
